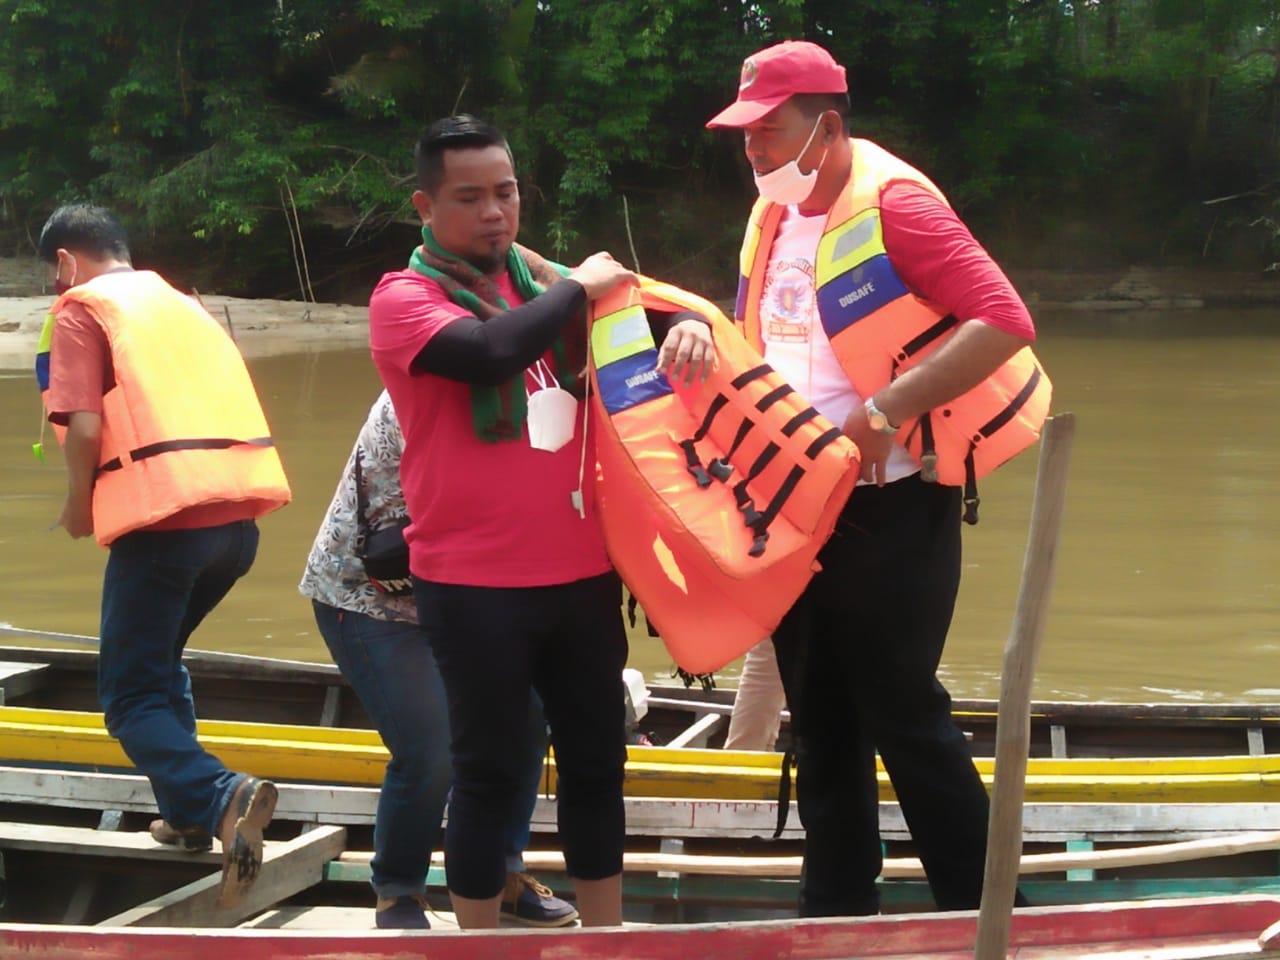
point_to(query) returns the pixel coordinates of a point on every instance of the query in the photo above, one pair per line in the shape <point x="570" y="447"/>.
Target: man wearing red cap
<point x="863" y="288"/>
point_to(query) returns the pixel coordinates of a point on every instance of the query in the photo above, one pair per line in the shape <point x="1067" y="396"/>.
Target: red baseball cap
<point x="772" y="75"/>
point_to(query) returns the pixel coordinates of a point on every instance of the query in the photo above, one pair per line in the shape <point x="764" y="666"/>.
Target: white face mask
<point x="553" y="412"/>
<point x="787" y="185"/>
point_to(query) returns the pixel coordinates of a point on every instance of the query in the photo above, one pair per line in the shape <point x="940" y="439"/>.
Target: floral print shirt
<point x="334" y="573"/>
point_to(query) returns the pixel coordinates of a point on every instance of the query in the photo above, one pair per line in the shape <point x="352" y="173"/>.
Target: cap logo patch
<point x="748" y="74"/>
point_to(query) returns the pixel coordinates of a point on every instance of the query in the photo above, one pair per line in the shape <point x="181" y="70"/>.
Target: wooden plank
<point x="207" y="663"/>
<point x="84" y="841"/>
<point x="676" y="817"/>
<point x="17" y="678"/>
<point x="87" y="886"/>
<point x="1080" y="846"/>
<point x="132" y="793"/>
<point x="781" y="893"/>
<point x="908" y="867"/>
<point x="324" y="754"/>
<point x="1058" y="740"/>
<point x="332" y="704"/>
<point x="696" y="734"/>
<point x="287" y="869"/>
<point x="967" y="710"/>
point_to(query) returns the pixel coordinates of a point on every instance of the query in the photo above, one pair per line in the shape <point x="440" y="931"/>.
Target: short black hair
<point x="86" y="229"/>
<point x="815" y="104"/>
<point x="460" y="132"/>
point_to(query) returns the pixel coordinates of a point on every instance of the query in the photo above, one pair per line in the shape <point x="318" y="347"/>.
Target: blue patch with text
<point x="856" y="294"/>
<point x="632" y="381"/>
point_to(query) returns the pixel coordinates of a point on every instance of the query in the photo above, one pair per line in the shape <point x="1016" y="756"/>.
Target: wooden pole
<point x="1013" y="719"/>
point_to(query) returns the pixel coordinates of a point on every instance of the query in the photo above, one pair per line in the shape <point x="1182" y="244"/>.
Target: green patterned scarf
<point x="498" y="412"/>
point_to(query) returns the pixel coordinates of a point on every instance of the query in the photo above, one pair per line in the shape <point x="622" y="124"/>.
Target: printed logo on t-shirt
<point x="788" y="302"/>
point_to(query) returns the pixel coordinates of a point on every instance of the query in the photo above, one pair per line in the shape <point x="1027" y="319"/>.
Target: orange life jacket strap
<point x="788" y="486"/>
<point x="720" y="468"/>
<point x="168" y="446"/>
<point x="799" y="420"/>
<point x="759" y="520"/>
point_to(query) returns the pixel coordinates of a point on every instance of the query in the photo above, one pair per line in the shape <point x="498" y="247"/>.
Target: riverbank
<point x="267" y="327"/>
<point x="260" y="327"/>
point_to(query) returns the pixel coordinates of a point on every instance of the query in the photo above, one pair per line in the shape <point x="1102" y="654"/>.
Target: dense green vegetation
<point x="247" y="140"/>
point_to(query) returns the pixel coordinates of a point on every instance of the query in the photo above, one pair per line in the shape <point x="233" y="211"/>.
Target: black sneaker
<point x="408" y="912"/>
<point x="527" y="901"/>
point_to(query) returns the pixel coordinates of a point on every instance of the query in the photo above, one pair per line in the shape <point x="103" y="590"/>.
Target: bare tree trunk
<point x="1082" y="38"/>
<point x="1113" y="25"/>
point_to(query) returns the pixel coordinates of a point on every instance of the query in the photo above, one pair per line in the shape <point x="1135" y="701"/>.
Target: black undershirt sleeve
<point x="490" y="352"/>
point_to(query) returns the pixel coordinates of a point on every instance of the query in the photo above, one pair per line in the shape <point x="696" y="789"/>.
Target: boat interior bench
<point x="288" y="868"/>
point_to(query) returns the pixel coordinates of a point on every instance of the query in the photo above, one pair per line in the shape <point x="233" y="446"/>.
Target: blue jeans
<point x="158" y="586"/>
<point x="390" y="667"/>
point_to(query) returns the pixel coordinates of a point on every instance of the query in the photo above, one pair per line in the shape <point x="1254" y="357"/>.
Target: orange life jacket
<point x="879" y="329"/>
<point x="182" y="426"/>
<point x="714" y="498"/>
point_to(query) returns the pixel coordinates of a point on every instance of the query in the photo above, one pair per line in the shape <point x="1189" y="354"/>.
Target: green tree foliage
<point x="237" y="136"/>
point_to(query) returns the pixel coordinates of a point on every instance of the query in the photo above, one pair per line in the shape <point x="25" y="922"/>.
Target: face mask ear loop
<point x="576" y="497"/>
<point x="542" y="375"/>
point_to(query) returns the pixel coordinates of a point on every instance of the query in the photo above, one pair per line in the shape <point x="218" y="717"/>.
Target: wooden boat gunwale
<point x="1207" y="928"/>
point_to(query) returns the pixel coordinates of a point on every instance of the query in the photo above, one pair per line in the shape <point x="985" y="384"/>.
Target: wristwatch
<point x="879" y="422"/>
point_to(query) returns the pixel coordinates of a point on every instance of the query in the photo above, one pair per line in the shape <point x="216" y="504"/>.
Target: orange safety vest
<point x="879" y="329"/>
<point x="714" y="498"/>
<point x="182" y="426"/>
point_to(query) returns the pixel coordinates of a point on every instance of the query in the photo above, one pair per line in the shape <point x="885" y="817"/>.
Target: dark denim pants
<point x="158" y="586"/>
<point x="859" y="655"/>
<point x="390" y="667"/>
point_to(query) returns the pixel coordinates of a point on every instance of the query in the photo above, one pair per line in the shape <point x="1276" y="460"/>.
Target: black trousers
<point x="859" y="655"/>
<point x="493" y="645"/>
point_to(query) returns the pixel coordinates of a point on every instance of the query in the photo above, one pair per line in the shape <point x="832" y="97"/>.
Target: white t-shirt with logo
<point x="794" y="342"/>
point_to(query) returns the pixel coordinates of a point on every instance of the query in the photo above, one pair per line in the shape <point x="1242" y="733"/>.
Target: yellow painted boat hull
<point x="330" y="755"/>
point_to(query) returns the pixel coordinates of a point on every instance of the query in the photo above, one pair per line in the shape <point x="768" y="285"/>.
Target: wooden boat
<point x="1188" y="930"/>
<point x="51" y="818"/>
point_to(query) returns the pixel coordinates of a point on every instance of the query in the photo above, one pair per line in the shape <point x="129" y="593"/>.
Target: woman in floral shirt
<point x="375" y="640"/>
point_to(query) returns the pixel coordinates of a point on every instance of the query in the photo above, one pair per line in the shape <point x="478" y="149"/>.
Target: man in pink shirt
<point x="859" y="652"/>
<point x="481" y="344"/>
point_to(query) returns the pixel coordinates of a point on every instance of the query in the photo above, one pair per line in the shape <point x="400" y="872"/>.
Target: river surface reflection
<point x="1167" y="582"/>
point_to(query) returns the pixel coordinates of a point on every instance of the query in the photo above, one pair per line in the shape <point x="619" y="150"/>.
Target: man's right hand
<point x="77" y="517"/>
<point x="600" y="273"/>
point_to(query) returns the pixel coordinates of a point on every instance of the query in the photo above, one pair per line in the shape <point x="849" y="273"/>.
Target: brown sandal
<point x="246" y="816"/>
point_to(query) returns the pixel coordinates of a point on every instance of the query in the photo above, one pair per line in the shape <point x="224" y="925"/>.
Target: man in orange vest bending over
<point x="169" y="462"/>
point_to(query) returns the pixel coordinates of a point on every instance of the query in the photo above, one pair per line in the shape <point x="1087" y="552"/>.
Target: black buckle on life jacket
<point x="693" y="464"/>
<point x="928" y="453"/>
<point x="756" y="522"/>
<point x="707" y="681"/>
<point x="721" y="469"/>
<point x="971" y="500"/>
